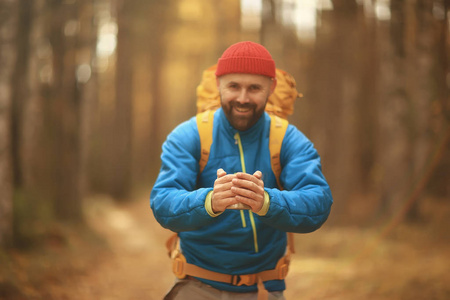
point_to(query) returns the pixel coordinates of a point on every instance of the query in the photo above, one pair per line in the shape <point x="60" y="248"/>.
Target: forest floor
<point x="121" y="255"/>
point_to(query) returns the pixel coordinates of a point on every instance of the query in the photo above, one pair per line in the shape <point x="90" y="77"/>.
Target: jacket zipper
<point x="237" y="137"/>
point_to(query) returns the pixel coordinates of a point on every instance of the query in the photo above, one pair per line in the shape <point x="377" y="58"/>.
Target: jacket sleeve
<point x="176" y="203"/>
<point x="305" y="203"/>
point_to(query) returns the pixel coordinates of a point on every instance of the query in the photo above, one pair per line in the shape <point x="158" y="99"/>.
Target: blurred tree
<point x="29" y="157"/>
<point x="422" y="54"/>
<point x="408" y="89"/>
<point x="365" y="116"/>
<point x="393" y="144"/>
<point x="156" y="29"/>
<point x="87" y="83"/>
<point x="333" y="87"/>
<point x="272" y="33"/>
<point x="440" y="120"/>
<point x="121" y="176"/>
<point x="46" y="112"/>
<point x="227" y="29"/>
<point x="8" y="35"/>
<point x="18" y="84"/>
<point x="65" y="109"/>
<point x="100" y="100"/>
<point x="381" y="94"/>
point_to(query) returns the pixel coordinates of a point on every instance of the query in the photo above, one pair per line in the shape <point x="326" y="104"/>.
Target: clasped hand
<point x="230" y="189"/>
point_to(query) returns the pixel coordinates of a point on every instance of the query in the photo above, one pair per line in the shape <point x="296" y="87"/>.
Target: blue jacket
<point x="238" y="242"/>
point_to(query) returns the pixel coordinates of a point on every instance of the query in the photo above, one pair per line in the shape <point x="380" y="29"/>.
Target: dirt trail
<point x="137" y="267"/>
<point x="411" y="264"/>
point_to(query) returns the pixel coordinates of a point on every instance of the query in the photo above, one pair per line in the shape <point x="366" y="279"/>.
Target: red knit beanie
<point x="246" y="57"/>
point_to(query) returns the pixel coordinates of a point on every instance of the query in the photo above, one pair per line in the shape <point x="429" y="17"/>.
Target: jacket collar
<point x="253" y="131"/>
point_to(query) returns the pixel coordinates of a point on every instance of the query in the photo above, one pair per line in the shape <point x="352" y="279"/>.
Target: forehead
<point x="244" y="79"/>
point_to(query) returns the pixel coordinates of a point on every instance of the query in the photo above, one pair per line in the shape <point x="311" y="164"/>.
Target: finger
<point x="254" y="204"/>
<point x="221" y="173"/>
<point x="220" y="202"/>
<point x="225" y="179"/>
<point x="247" y="193"/>
<point x="258" y="174"/>
<point x="251" y="178"/>
<point x="253" y="184"/>
<point x="223" y="192"/>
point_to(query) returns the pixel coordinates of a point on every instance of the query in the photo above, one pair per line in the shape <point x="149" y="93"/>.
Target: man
<point x="230" y="250"/>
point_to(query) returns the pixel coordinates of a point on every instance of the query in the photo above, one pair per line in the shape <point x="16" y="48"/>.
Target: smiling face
<point x="243" y="97"/>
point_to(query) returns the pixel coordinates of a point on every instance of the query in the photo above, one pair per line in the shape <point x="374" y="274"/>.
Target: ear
<point x="217" y="82"/>
<point x="273" y="85"/>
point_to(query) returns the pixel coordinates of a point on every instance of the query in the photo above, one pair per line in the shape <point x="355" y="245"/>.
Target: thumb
<point x="221" y="173"/>
<point x="258" y="174"/>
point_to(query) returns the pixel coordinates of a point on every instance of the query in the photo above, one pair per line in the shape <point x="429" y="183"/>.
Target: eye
<point x="254" y="88"/>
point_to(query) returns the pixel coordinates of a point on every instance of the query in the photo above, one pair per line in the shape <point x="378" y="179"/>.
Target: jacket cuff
<point x="208" y="206"/>
<point x="265" y="207"/>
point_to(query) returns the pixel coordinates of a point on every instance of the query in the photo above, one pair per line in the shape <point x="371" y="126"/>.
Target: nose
<point x="243" y="96"/>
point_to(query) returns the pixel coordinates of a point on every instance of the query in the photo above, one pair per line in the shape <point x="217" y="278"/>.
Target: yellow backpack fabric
<point x="279" y="106"/>
<point x="280" y="103"/>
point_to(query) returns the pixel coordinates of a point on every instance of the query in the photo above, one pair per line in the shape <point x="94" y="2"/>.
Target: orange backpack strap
<point x="205" y="130"/>
<point x="181" y="268"/>
<point x="278" y="127"/>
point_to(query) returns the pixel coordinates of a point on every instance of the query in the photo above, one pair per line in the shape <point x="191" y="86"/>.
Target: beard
<point x="242" y="116"/>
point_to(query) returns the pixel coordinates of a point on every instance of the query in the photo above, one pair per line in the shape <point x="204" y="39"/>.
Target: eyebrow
<point x="256" y="85"/>
<point x="250" y="85"/>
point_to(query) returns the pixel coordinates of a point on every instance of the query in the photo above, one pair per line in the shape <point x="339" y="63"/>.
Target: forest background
<point x="90" y="89"/>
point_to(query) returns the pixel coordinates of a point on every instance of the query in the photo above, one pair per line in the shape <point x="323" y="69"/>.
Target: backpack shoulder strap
<point x="205" y="130"/>
<point x="278" y="127"/>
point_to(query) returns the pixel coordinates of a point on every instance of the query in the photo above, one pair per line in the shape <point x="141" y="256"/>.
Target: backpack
<point x="279" y="106"/>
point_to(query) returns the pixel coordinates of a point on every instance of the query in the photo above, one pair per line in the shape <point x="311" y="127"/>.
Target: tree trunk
<point x="121" y="177"/>
<point x="366" y="119"/>
<point x="440" y="122"/>
<point x="29" y="152"/>
<point x="65" y="113"/>
<point x="393" y="150"/>
<point x="20" y="91"/>
<point x="8" y="36"/>
<point x="159" y="26"/>
<point x="420" y="81"/>
<point x="333" y="91"/>
<point x="87" y="84"/>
